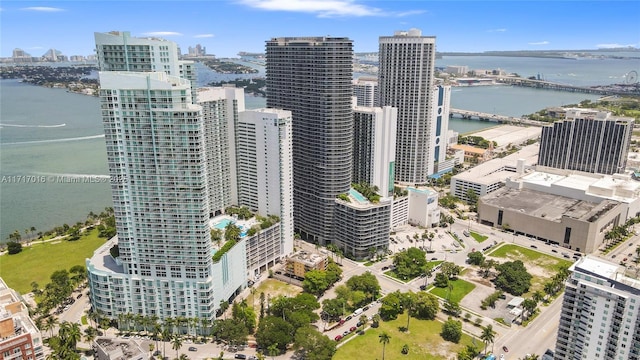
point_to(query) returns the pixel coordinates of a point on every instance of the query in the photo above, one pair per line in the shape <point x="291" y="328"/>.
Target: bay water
<point x="53" y="167"/>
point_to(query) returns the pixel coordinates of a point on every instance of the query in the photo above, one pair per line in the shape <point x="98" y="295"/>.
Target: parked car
<point x="505" y="348"/>
<point x="79" y="296"/>
<point x="365" y="308"/>
<point x="533" y="247"/>
<point x="554" y="250"/>
<point x="345" y="333"/>
<point x="240" y="356"/>
<point x="193" y="348"/>
<point x="353" y="328"/>
<point x="349" y="318"/>
<point x="338" y="337"/>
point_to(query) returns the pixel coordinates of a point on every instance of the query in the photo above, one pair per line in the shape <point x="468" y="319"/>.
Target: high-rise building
<point x="156" y="150"/>
<point x="365" y="89"/>
<point x="405" y="81"/>
<point x="586" y="142"/>
<point x="440" y="127"/>
<point x="221" y="107"/>
<point x="265" y="167"/>
<point x="374" y="142"/>
<point x="160" y="151"/>
<point x="600" y="309"/>
<point x="311" y="77"/>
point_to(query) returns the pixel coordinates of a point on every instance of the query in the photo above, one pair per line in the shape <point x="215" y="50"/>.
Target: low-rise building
<point x="491" y="175"/>
<point x="20" y="339"/>
<point x="575" y="224"/>
<point x="299" y="263"/>
<point x="118" y="349"/>
<point x="472" y="154"/>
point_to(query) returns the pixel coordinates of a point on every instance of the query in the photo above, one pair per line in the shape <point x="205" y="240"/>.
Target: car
<point x="341" y="321"/>
<point x="554" y="250"/>
<point x="625" y="259"/>
<point x="79" y="296"/>
<point x="359" y="323"/>
<point x="345" y="333"/>
<point x="193" y="348"/>
<point x="353" y="328"/>
<point x="505" y="348"/>
<point x="423" y="287"/>
<point x="534" y="247"/>
<point x="338" y="337"/>
<point x="434" y="258"/>
<point x="369" y="317"/>
<point x="613" y="256"/>
<point x="365" y="308"/>
<point x="501" y="356"/>
<point x="240" y="356"/>
<point x="385" y="268"/>
<point x="630" y="254"/>
<point x="349" y="318"/>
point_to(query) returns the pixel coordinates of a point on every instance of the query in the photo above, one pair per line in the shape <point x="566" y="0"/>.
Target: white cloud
<point x="42" y="9"/>
<point x="324" y="8"/>
<point x="614" y="45"/>
<point x="204" y="36"/>
<point x="162" y="33"/>
<point x="539" y="43"/>
<point x="497" y="30"/>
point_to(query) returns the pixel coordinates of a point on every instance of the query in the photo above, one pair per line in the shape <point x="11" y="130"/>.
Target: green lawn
<point x="479" y="238"/>
<point x="460" y="289"/>
<point x="275" y="288"/>
<point x="516" y="252"/>
<point x="39" y="261"/>
<point x="423" y="339"/>
<point x="434" y="263"/>
<point x="393" y="274"/>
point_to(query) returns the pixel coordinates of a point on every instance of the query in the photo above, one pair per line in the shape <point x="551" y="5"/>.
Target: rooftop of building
<point x="499" y="169"/>
<point x="114" y="347"/>
<point x="102" y="260"/>
<point x="605" y="269"/>
<point x="468" y="149"/>
<point x="548" y="206"/>
<point x="509" y="134"/>
<point x="307" y="258"/>
<point x="619" y="187"/>
<point x="11" y="306"/>
<point x="359" y="201"/>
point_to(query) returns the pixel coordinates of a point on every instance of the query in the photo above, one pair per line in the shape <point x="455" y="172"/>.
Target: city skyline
<point x="227" y="27"/>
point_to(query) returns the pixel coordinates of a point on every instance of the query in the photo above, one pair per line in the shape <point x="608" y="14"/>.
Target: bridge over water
<point x="476" y="115"/>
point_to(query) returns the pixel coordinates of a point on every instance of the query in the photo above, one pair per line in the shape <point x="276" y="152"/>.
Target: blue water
<point x="222" y="224"/>
<point x="357" y="196"/>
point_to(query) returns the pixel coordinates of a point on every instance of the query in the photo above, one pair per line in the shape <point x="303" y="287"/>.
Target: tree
<point x="530" y="306"/>
<point x="273" y="350"/>
<point x="391" y="306"/>
<point x="334" y="308"/>
<point x="452" y="307"/>
<point x="231" y="331"/>
<point x="14" y="247"/>
<point x="70" y="334"/>
<point x="426" y="306"/>
<point x="441" y="280"/>
<point x="538" y="296"/>
<point x="409" y="263"/>
<point x="232" y="232"/>
<point x="176" y="344"/>
<point x="363" y="320"/>
<point x="245" y="315"/>
<point x="405" y="349"/>
<point x="367" y="283"/>
<point x="476" y="258"/>
<point x="315" y="282"/>
<point x="310" y="344"/>
<point x="384" y="339"/>
<point x="487" y="336"/>
<point x="450" y="269"/>
<point x="452" y="330"/>
<point x="375" y="321"/>
<point x="408" y="301"/>
<point x="274" y="330"/>
<point x="513" y="277"/>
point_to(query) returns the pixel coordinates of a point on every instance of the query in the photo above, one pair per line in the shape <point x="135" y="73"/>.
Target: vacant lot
<point x="423" y="339"/>
<point x="38" y="261"/>
<point x="541" y="266"/>
<point x="274" y="288"/>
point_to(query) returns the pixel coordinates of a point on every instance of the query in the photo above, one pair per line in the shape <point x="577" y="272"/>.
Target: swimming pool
<point x="357" y="196"/>
<point x="222" y="224"/>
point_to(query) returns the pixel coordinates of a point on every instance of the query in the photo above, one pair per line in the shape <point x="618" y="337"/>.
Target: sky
<point x="226" y="27"/>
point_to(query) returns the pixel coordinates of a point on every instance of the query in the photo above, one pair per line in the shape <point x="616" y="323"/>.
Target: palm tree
<point x="90" y="334"/>
<point x="531" y="357"/>
<point x="384" y="339"/>
<point x="487" y="336"/>
<point x="538" y="296"/>
<point x="176" y="343"/>
<point x="183" y="357"/>
<point x="375" y="320"/>
<point x="50" y="324"/>
<point x="363" y="320"/>
<point x="253" y="297"/>
<point x="408" y="303"/>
